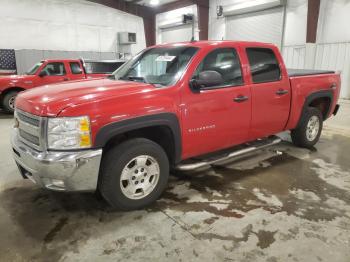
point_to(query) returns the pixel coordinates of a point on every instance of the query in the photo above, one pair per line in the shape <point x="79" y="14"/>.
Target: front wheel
<point x="309" y="129"/>
<point x="134" y="174"/>
<point x="8" y="102"/>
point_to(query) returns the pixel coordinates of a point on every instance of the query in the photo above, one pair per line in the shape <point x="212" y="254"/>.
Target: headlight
<point x="68" y="133"/>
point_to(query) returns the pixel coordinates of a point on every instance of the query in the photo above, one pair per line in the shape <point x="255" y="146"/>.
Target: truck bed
<point x="307" y="72"/>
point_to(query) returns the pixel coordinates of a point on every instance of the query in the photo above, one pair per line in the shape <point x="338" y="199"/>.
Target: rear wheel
<point x="134" y="174"/>
<point x="309" y="129"/>
<point x="8" y="102"/>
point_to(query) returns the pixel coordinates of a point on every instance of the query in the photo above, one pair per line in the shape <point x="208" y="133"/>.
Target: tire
<point x="304" y="135"/>
<point x="118" y="175"/>
<point x="8" y="102"/>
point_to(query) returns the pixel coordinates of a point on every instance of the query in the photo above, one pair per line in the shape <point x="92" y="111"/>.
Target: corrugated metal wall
<point x="26" y="58"/>
<point x="294" y="56"/>
<point x="328" y="56"/>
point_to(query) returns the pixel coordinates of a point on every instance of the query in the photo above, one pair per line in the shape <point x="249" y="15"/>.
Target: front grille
<point x="29" y="120"/>
<point x="29" y="137"/>
<point x="29" y="129"/>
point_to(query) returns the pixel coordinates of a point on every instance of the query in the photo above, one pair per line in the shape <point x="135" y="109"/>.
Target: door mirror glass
<point x="205" y="79"/>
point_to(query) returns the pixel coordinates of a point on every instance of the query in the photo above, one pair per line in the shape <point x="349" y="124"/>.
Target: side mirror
<point x="42" y="74"/>
<point x="206" y="79"/>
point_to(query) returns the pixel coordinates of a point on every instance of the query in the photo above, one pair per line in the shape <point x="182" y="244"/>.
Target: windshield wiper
<point x="137" y="78"/>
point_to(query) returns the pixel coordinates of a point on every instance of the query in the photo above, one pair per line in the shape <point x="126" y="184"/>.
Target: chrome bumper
<point x="60" y="171"/>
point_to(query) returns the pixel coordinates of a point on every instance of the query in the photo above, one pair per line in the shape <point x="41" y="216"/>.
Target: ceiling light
<point x="154" y="2"/>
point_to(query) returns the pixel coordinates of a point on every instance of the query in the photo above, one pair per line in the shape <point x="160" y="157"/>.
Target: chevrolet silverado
<point x="173" y="106"/>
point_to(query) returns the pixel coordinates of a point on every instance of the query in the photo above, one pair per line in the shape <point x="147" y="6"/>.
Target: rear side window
<point x="263" y="65"/>
<point x="75" y="68"/>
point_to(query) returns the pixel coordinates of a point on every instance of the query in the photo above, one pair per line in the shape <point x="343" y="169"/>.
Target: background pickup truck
<point x="183" y="106"/>
<point x="49" y="72"/>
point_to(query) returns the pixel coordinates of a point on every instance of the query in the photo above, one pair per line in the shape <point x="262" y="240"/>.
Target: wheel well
<point x="6" y="91"/>
<point x="162" y="135"/>
<point x="323" y="104"/>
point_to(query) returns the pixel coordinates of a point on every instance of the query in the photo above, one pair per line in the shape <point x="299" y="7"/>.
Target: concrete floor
<point x="283" y="204"/>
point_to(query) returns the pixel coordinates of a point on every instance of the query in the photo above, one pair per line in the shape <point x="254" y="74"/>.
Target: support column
<point x="313" y="11"/>
<point x="203" y="19"/>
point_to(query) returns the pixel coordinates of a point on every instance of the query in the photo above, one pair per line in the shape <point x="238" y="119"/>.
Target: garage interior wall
<point x="176" y="33"/>
<point x="39" y="29"/>
<point x="330" y="52"/>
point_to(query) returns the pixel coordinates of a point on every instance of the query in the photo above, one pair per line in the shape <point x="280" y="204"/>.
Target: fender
<point x="169" y="120"/>
<point x="315" y="95"/>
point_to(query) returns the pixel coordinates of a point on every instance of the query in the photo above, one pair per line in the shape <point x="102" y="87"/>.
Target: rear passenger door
<point x="270" y="91"/>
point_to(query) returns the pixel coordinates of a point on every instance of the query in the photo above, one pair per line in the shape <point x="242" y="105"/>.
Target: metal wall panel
<point x="328" y="56"/>
<point x="335" y="56"/>
<point x="294" y="56"/>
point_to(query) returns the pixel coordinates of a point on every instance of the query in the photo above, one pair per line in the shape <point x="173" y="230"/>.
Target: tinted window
<point x="75" y="68"/>
<point x="263" y="65"/>
<point x="55" y="69"/>
<point x="102" y="67"/>
<point x="224" y="61"/>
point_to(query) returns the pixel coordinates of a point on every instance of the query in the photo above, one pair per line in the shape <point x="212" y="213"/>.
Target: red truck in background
<point x="182" y="106"/>
<point x="52" y="71"/>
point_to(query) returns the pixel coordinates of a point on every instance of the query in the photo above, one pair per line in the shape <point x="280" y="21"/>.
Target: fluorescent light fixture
<point x="154" y="2"/>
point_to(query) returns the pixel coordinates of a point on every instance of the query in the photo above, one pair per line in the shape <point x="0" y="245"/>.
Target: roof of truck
<point x="201" y="44"/>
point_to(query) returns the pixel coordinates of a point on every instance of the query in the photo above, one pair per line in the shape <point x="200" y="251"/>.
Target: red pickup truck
<point x="52" y="71"/>
<point x="181" y="106"/>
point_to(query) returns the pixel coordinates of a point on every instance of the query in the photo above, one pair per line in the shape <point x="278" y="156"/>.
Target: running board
<point x="251" y="147"/>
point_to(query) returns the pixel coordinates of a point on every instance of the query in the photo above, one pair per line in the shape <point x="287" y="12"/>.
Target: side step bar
<point x="250" y="148"/>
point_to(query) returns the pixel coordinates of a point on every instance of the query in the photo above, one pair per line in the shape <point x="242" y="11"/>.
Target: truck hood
<point x="51" y="100"/>
<point x="13" y="80"/>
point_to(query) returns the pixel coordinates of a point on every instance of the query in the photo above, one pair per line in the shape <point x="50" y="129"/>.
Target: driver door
<point x="54" y="72"/>
<point x="216" y="117"/>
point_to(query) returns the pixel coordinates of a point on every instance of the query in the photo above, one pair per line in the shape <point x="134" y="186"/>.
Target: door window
<point x="55" y="69"/>
<point x="263" y="65"/>
<point x="225" y="61"/>
<point x="75" y="68"/>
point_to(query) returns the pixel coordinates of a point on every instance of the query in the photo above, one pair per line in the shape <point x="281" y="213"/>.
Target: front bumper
<point x="60" y="171"/>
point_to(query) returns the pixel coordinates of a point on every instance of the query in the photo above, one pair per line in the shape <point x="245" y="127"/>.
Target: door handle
<point x="240" y="99"/>
<point x="65" y="79"/>
<point x="281" y="92"/>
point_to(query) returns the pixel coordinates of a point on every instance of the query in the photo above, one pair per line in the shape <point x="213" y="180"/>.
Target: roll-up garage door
<point x="262" y="26"/>
<point x="176" y="34"/>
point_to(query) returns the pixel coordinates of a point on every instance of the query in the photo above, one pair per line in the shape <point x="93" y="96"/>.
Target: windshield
<point x="161" y="66"/>
<point x="35" y="68"/>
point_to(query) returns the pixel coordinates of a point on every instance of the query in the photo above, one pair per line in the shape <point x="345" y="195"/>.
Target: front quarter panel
<point x="116" y="109"/>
